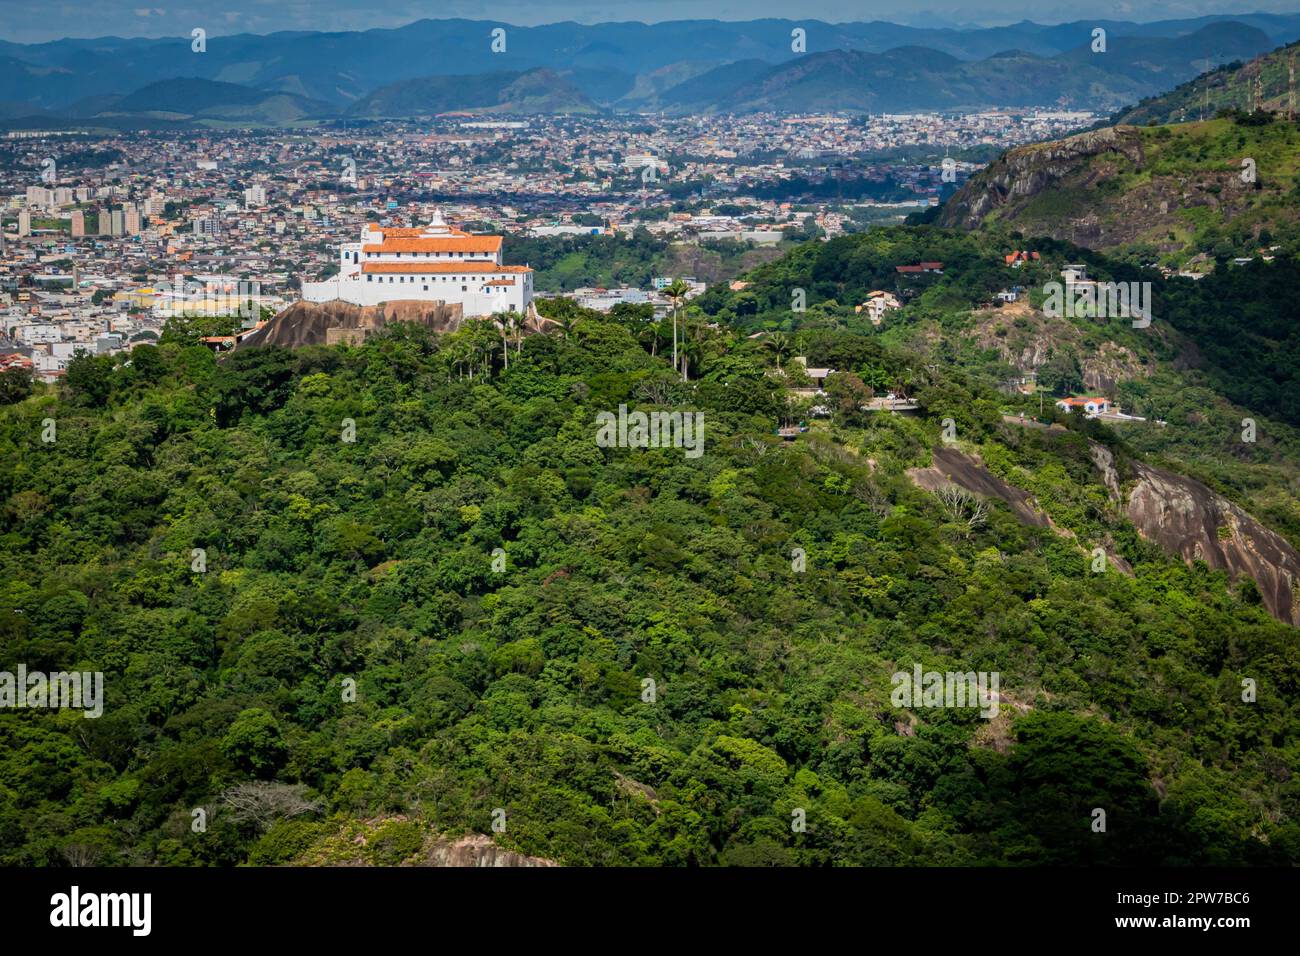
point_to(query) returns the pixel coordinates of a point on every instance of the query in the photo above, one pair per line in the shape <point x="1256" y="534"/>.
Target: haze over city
<point x="27" y="22"/>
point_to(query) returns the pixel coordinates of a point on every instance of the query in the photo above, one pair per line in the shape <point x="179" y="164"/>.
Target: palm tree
<point x="697" y="346"/>
<point x="502" y="322"/>
<point x="511" y="328"/>
<point x="458" y="353"/>
<point x="778" y="343"/>
<point x="566" y="321"/>
<point x="649" y="332"/>
<point x="676" y="293"/>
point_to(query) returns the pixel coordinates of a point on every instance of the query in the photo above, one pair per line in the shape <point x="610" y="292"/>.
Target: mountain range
<point x="682" y="67"/>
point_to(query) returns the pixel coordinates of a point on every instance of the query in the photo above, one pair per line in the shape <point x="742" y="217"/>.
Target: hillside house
<point x="1018" y="258"/>
<point x="920" y="267"/>
<point x="818" y="375"/>
<point x="1090" y="406"/>
<point x="877" y="304"/>
<point x="1074" y="274"/>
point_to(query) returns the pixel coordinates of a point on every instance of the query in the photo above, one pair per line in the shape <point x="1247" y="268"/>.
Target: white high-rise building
<point x="433" y="263"/>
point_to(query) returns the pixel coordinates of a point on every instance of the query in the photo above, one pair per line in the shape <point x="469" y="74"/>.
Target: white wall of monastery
<point x="433" y="263"/>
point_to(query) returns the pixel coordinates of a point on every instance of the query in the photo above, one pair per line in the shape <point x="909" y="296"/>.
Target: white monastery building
<point x="433" y="263"/>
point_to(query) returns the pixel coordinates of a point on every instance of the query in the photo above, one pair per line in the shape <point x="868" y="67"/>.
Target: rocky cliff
<point x="1020" y="175"/>
<point x="1025" y="338"/>
<point x="310" y="323"/>
<point x="399" y="840"/>
<point x="1186" y="518"/>
<point x="952" y="466"/>
<point x="1181" y="515"/>
<point x="1125" y="186"/>
<point x="476" y="850"/>
<point x="327" y="323"/>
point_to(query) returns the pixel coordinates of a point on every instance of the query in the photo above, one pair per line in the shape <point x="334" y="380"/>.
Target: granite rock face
<point x="1021" y="174"/>
<point x="320" y="323"/>
<point x="1082" y="189"/>
<point x="958" y="468"/>
<point x="1186" y="518"/>
<point x="1181" y="515"/>
<point x="330" y="323"/>
<point x="476" y="850"/>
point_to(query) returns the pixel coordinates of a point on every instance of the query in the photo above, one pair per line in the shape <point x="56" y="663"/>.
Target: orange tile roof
<point x="408" y="232"/>
<point x="431" y="267"/>
<point x="437" y="244"/>
<point x="501" y="282"/>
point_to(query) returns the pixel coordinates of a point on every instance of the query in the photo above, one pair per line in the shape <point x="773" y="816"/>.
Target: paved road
<point x="1030" y="423"/>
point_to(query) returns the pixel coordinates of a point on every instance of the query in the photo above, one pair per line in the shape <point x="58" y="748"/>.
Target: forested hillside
<point x="1220" y="349"/>
<point x="1264" y="82"/>
<point x="565" y="263"/>
<point x="514" y="685"/>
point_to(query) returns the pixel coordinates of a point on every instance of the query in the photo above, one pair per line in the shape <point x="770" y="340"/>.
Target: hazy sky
<point x="37" y="20"/>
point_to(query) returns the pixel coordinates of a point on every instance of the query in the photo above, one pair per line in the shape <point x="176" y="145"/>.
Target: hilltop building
<point x="433" y="263"/>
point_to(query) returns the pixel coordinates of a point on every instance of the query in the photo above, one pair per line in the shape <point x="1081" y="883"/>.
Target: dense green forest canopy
<point x="500" y="589"/>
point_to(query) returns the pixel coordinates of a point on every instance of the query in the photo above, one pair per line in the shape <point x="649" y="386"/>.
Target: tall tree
<point x="676" y="294"/>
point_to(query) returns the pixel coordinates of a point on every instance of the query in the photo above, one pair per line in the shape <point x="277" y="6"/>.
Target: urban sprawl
<point x="108" y="236"/>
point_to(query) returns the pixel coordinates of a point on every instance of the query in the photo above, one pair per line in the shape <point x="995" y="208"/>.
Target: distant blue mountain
<point x="676" y="65"/>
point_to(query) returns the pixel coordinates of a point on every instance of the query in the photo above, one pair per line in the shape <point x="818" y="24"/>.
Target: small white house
<point x="1091" y="407"/>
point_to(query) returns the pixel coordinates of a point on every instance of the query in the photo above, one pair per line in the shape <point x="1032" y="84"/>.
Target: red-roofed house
<point x="1020" y="257"/>
<point x="1092" y="407"/>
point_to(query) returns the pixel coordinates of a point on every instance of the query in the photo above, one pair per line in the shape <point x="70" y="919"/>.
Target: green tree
<point x="90" y="379"/>
<point x="16" y="383"/>
<point x="254" y="742"/>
